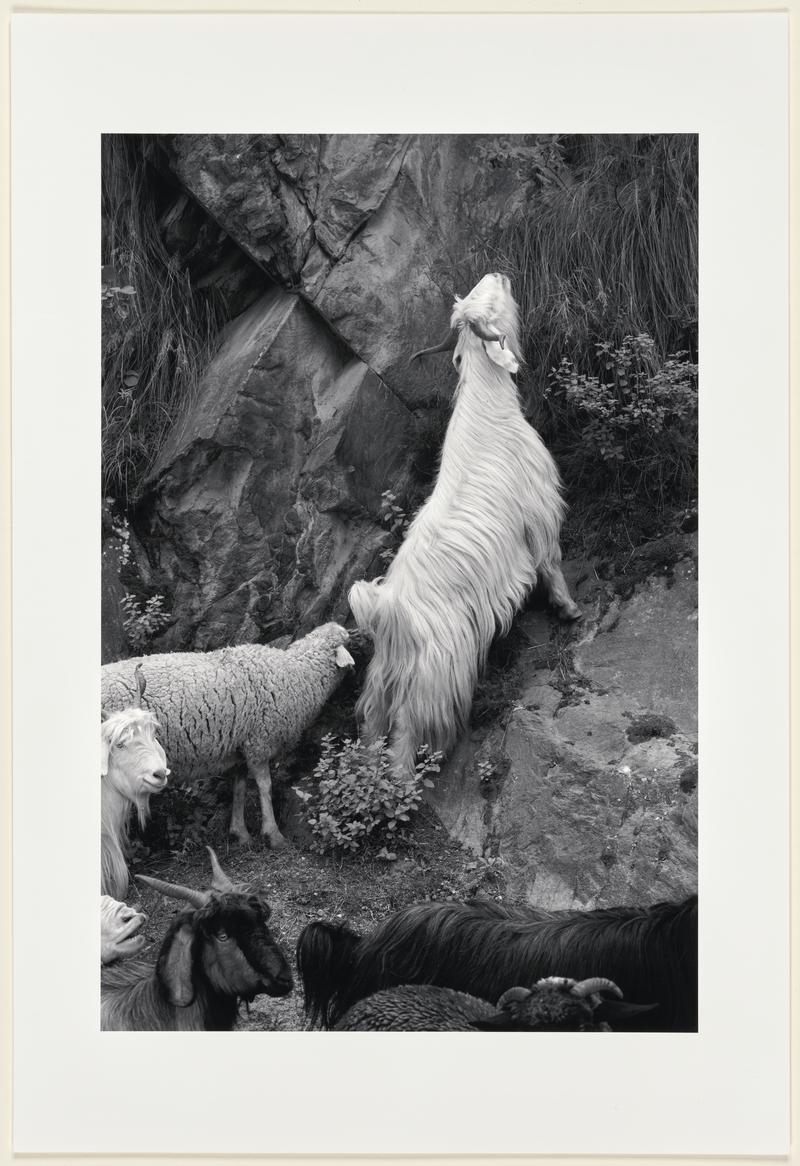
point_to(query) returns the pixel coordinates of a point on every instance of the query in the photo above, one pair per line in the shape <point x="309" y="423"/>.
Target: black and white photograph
<point x="400" y="486"/>
<point x="399" y="675"/>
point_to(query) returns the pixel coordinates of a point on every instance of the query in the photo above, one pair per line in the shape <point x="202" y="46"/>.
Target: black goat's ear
<point x="501" y="1020"/>
<point x="620" y="1010"/>
<point x="174" y="968"/>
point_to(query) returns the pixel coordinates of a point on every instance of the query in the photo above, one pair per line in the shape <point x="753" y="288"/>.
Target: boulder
<point x="263" y="502"/>
<point x="586" y="789"/>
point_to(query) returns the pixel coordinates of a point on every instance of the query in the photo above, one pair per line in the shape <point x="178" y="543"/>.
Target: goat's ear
<point x="496" y="1023"/>
<point x="615" y="1011"/>
<point x="174" y="968"/>
<point x="104" y="751"/>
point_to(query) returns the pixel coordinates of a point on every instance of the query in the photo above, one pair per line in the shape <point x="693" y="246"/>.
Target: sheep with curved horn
<point x="488" y="532"/>
<point x="215" y="954"/>
<point x="554" y="1004"/>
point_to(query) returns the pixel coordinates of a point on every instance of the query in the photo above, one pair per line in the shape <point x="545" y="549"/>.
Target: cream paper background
<point x="724" y="1091"/>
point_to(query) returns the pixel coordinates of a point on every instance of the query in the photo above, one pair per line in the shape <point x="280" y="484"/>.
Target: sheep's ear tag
<point x="343" y="657"/>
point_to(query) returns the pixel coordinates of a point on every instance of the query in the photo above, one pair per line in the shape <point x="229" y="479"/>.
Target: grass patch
<point x="158" y="331"/>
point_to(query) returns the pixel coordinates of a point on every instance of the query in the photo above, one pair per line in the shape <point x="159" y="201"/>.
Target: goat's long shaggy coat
<point x="247" y="702"/>
<point x="472" y="553"/>
<point x="485" y="949"/>
<point x="129" y="750"/>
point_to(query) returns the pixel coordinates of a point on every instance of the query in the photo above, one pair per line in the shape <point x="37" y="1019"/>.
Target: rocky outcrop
<point x="264" y="502"/>
<point x="586" y="789"/>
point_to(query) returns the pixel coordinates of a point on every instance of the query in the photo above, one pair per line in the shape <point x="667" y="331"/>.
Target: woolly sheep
<point x="247" y="702"/>
<point x="473" y="552"/>
<point x="554" y="1004"/>
<point x="133" y="767"/>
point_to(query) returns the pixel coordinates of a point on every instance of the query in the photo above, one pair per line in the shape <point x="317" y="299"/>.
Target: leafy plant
<point x="355" y="794"/>
<point x="634" y="424"/>
<point x="395" y="519"/>
<point x="143" y="619"/>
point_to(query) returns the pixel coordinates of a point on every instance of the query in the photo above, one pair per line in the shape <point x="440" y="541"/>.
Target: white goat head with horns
<point x="487" y="319"/>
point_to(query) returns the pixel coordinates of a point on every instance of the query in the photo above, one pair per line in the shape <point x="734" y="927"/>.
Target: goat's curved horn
<point x="141" y="683"/>
<point x="598" y="984"/>
<point x="446" y="344"/>
<point x="173" y="891"/>
<point x="487" y="333"/>
<point x="513" y="996"/>
<point x="219" y="881"/>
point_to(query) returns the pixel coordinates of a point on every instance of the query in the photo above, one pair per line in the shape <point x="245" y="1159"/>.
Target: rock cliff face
<point x="264" y="504"/>
<point x="586" y="787"/>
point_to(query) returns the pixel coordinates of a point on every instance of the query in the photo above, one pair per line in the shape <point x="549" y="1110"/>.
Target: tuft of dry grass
<point x="158" y="331"/>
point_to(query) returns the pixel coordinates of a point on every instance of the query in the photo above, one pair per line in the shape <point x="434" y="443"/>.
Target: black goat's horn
<point x="219" y="881"/>
<point x="513" y="996"/>
<point x="173" y="891"/>
<point x="446" y="344"/>
<point x="598" y="984"/>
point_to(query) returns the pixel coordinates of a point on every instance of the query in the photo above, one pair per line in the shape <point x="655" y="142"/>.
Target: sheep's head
<point x="559" y="1004"/>
<point x="337" y="637"/>
<point x="119" y="930"/>
<point x="132" y="760"/>
<point x="225" y="938"/>
<point x="488" y="319"/>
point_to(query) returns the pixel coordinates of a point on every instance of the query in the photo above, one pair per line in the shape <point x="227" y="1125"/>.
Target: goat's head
<point x="488" y="319"/>
<point x="558" y="1003"/>
<point x="119" y="930"/>
<point x="224" y="938"/>
<point x="132" y="760"/>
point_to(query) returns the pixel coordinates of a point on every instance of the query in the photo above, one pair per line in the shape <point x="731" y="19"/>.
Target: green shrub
<point x="356" y="796"/>
<point x="633" y="426"/>
<point x="142" y="619"/>
<point x="183" y="818"/>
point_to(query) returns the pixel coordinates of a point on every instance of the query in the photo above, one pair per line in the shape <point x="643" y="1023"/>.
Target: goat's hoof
<point x="570" y="614"/>
<point x="239" y="839"/>
<point x="275" y="841"/>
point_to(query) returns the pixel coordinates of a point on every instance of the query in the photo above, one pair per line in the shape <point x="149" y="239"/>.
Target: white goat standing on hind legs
<point x="474" y="551"/>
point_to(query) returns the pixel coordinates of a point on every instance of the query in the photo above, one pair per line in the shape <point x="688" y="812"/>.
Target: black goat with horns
<point x="213" y="956"/>
<point x="484" y="949"/>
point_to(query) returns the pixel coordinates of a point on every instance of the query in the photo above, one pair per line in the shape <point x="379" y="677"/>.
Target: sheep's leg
<point x="237" y="826"/>
<point x="553" y="579"/>
<point x="269" y="827"/>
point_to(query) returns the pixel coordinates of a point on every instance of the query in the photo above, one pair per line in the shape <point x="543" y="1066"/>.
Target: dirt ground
<point x="301" y="886"/>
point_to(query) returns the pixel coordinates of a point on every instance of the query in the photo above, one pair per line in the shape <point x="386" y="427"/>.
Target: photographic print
<point x="433" y="356"/>
<point x="400" y="581"/>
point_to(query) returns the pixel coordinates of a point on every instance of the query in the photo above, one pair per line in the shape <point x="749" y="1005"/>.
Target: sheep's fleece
<point x="250" y="701"/>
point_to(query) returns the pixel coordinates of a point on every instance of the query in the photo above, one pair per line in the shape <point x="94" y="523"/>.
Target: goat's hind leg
<point x="553" y="578"/>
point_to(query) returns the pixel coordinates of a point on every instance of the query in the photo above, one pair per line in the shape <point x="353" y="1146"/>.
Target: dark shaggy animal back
<point x="484" y="949"/>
